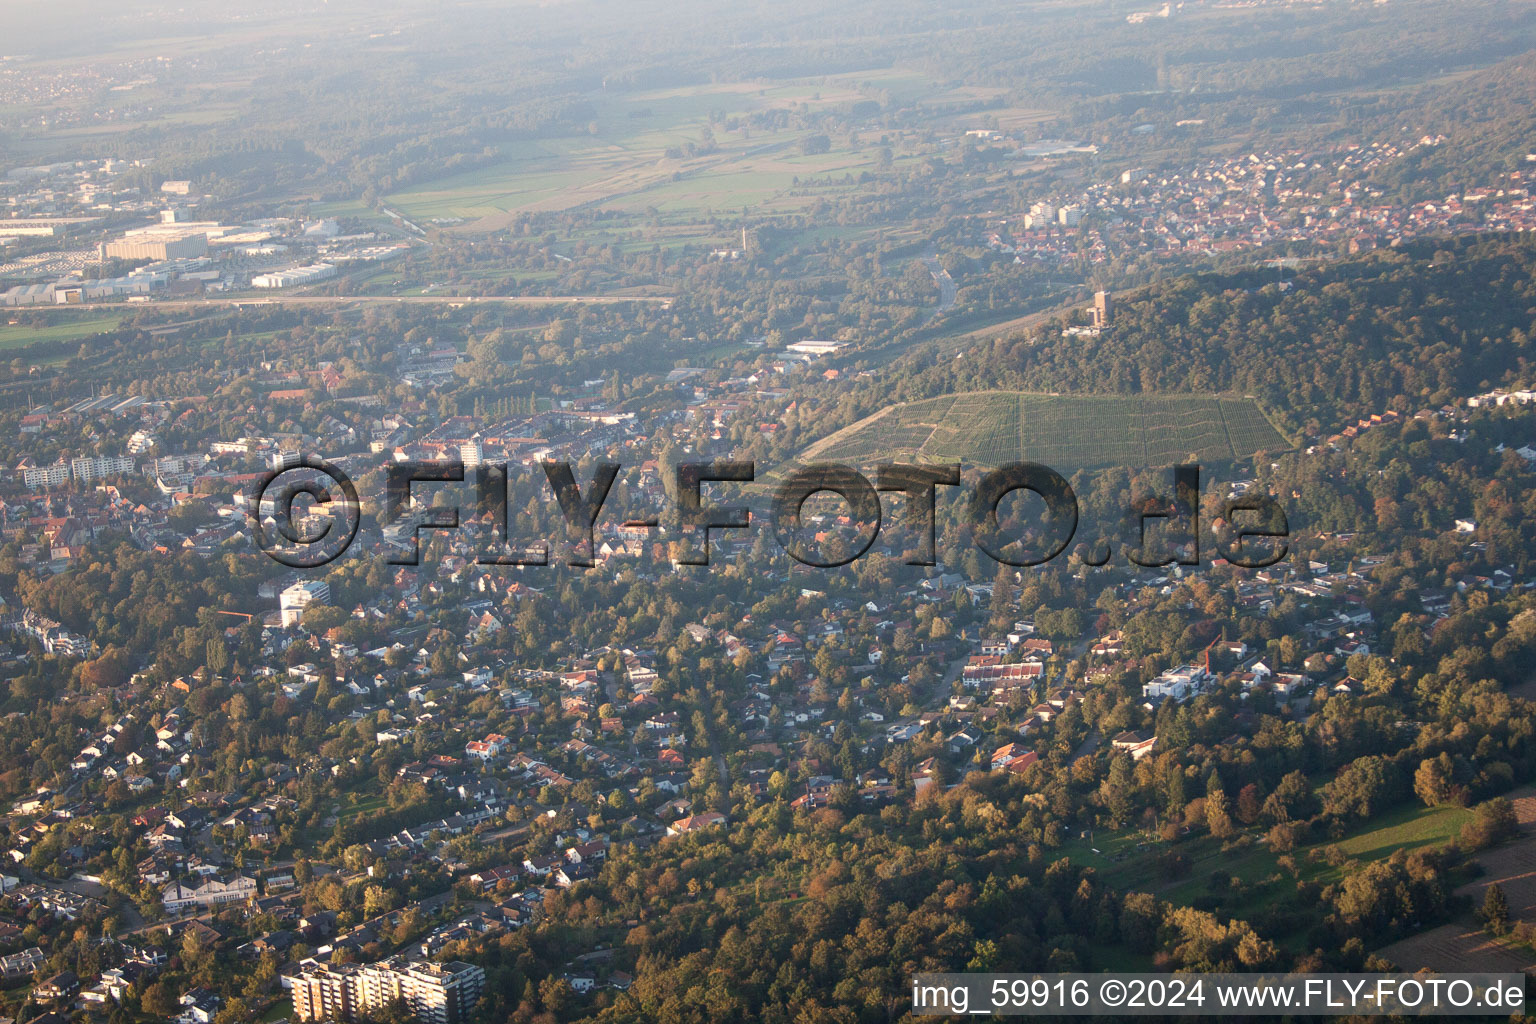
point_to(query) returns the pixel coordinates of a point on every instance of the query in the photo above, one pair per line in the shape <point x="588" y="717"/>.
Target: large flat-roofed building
<point x="30" y="295"/>
<point x="294" y="276"/>
<point x="42" y="227"/>
<point x="162" y="242"/>
<point x="434" y="993"/>
<point x="812" y="347"/>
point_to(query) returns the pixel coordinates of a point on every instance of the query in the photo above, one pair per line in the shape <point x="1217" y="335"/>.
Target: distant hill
<point x="1406" y="327"/>
<point x="1065" y="432"/>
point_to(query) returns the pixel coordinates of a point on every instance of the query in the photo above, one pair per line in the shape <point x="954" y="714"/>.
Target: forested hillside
<point x="1402" y="328"/>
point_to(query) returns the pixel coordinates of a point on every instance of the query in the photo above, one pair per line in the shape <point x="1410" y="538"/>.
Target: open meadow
<point x="695" y="150"/>
<point x="32" y="327"/>
<point x="1063" y="431"/>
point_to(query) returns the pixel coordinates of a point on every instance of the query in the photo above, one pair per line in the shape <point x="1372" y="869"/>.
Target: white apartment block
<point x="434" y="993"/>
<point x="38" y="477"/>
<point x="1180" y="683"/>
<point x="293" y="600"/>
<point x="89" y="468"/>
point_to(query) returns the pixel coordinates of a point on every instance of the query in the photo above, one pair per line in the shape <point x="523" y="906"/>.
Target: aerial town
<point x="717" y="514"/>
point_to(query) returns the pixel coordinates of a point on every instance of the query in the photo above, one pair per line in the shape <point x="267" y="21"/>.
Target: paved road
<point x="1088" y="746"/>
<point x="1017" y="324"/>
<point x="938" y="697"/>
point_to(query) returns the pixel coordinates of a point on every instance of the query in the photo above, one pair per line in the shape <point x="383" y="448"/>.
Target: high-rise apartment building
<point x="434" y="993"/>
<point x="293" y="600"/>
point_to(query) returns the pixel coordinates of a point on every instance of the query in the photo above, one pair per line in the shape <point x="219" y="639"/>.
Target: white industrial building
<point x="811" y="347"/>
<point x="294" y="276"/>
<point x="28" y="295"/>
<point x="160" y="242"/>
<point x="43" y="227"/>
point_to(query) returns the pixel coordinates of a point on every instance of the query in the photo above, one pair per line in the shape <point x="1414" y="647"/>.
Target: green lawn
<point x="366" y="805"/>
<point x="59" y="328"/>
<point x="1408" y="828"/>
<point x="724" y="350"/>
<point x="279" y="1010"/>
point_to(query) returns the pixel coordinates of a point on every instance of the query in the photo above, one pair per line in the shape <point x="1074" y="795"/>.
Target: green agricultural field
<point x="632" y="173"/>
<point x="1066" y="432"/>
<point x="62" y="328"/>
<point x="622" y="161"/>
<point x="345" y="208"/>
